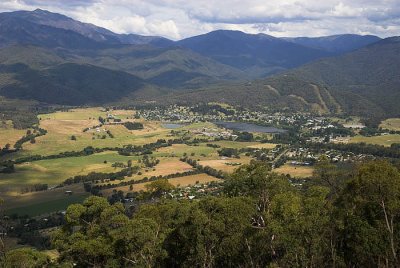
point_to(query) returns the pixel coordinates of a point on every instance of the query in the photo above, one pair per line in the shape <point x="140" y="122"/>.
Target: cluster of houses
<point x="185" y="114"/>
<point x="214" y="133"/>
<point x="306" y="157"/>
<point x="196" y="191"/>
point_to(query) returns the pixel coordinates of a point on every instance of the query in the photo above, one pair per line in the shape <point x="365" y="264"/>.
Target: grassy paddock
<point x="62" y="125"/>
<point x="10" y="135"/>
<point x="181" y="182"/>
<point x="391" y="124"/>
<point x="385" y="140"/>
<point x="263" y="146"/>
<point x="55" y="171"/>
<point x="226" y="164"/>
<point x="47" y="207"/>
<point x="295" y="171"/>
<point x="180" y="149"/>
<point x="31" y="203"/>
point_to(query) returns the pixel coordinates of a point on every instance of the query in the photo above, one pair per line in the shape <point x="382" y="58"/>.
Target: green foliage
<point x="25" y="257"/>
<point x="133" y="125"/>
<point x="261" y="220"/>
<point x="229" y="152"/>
<point x="371" y="203"/>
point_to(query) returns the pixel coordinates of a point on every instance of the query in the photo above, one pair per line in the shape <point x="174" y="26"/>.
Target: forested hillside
<point x="258" y="55"/>
<point x="363" y="82"/>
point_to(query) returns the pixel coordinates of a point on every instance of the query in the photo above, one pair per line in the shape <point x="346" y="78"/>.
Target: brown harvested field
<point x="168" y="166"/>
<point x="295" y="171"/>
<point x="67" y="127"/>
<point x="221" y="164"/>
<point x="181" y="182"/>
<point x="391" y="124"/>
<point x="10" y="135"/>
<point x="263" y="146"/>
<point x="75" y="114"/>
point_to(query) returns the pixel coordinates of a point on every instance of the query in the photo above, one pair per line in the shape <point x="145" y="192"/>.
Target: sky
<point x="178" y="19"/>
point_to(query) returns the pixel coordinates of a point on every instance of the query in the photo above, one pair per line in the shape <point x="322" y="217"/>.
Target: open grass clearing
<point x="167" y="166"/>
<point x="385" y="140"/>
<point x="180" y="149"/>
<point x="295" y="171"/>
<point x="234" y="144"/>
<point x="43" y="202"/>
<point x="391" y="124"/>
<point x="263" y="146"/>
<point x="58" y="138"/>
<point x="75" y="114"/>
<point x="43" y="208"/>
<point x="55" y="171"/>
<point x="9" y="135"/>
<point x="226" y="165"/>
<point x="181" y="182"/>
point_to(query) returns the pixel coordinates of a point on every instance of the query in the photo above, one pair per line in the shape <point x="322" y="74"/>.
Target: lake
<point x="239" y="126"/>
<point x="171" y="125"/>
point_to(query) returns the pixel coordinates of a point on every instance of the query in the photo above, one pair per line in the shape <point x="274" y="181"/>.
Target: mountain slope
<point x="337" y="44"/>
<point x="70" y="84"/>
<point x="167" y="67"/>
<point x="258" y="54"/>
<point x="364" y="82"/>
<point x="371" y="72"/>
<point x="90" y="31"/>
<point x="16" y="30"/>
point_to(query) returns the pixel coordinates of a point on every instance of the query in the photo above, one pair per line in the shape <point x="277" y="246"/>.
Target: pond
<point x="239" y="126"/>
<point x="171" y="125"/>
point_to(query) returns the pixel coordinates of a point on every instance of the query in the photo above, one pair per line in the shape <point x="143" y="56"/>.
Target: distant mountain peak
<point x="90" y="31"/>
<point x="338" y="44"/>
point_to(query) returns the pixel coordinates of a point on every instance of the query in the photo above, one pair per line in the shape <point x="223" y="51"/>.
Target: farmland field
<point x="295" y="171"/>
<point x="181" y="149"/>
<point x="227" y="165"/>
<point x="83" y="125"/>
<point x="263" y="146"/>
<point x="35" y="203"/>
<point x="181" y="182"/>
<point x="391" y="124"/>
<point x="47" y="207"/>
<point x="55" y="171"/>
<point x="385" y="140"/>
<point x="9" y="135"/>
<point x="61" y="126"/>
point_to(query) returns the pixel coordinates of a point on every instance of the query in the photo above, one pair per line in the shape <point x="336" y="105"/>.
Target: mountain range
<point x="52" y="58"/>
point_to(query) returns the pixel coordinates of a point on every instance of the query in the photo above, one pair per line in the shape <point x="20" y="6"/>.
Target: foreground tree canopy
<point x="261" y="220"/>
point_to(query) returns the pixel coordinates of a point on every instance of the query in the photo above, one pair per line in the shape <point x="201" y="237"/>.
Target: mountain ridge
<point x="251" y="69"/>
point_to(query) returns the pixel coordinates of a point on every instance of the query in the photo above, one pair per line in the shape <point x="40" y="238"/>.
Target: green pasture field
<point x="55" y="171"/>
<point x="61" y="126"/>
<point x="47" y="207"/>
<point x="234" y="144"/>
<point x="41" y="202"/>
<point x="180" y="149"/>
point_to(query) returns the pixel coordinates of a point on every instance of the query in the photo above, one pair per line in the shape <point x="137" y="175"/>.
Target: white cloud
<point x="177" y="19"/>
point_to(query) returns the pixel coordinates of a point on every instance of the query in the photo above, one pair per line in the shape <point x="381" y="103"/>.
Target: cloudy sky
<point x="176" y="19"/>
